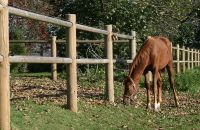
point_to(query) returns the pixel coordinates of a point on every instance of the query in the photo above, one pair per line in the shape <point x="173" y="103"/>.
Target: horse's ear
<point x="149" y="37"/>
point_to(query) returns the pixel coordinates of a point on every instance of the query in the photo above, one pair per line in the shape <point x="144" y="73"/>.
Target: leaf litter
<point x="42" y="90"/>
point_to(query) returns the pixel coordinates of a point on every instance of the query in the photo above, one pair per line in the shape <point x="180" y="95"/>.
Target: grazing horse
<point x="155" y="55"/>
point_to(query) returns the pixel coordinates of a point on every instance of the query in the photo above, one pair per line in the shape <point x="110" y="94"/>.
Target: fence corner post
<point x="4" y="68"/>
<point x="53" y="54"/>
<point x="109" y="65"/>
<point x="72" y="67"/>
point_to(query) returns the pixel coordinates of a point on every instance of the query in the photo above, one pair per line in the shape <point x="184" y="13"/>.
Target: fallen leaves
<point x="41" y="90"/>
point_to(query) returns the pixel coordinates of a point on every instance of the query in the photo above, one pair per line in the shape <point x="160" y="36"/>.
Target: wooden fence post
<point x="109" y="66"/>
<point x="53" y="54"/>
<point x="133" y="44"/>
<point x="4" y="68"/>
<point x="183" y="56"/>
<point x="188" y="57"/>
<point x="71" y="68"/>
<point x="178" y="59"/>
<point x="192" y="56"/>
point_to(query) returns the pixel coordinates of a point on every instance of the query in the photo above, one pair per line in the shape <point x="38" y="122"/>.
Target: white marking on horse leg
<point x="157" y="107"/>
<point x="149" y="105"/>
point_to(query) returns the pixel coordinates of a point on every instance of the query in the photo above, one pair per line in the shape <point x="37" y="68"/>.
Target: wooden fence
<point x="70" y="60"/>
<point x="185" y="58"/>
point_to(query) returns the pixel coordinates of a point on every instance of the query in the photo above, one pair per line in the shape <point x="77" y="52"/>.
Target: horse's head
<point x="130" y="90"/>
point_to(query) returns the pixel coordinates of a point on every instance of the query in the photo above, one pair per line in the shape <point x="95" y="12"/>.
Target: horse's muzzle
<point x="126" y="101"/>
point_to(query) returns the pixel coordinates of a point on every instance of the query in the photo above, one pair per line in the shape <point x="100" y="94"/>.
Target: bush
<point x="188" y="81"/>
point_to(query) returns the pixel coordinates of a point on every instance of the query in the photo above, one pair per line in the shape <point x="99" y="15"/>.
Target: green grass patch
<point x="27" y="115"/>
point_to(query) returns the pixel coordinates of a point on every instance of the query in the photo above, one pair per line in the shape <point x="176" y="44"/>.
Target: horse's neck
<point x="137" y="73"/>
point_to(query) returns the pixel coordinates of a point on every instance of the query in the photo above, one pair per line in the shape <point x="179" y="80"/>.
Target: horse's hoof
<point x="157" y="110"/>
<point x="177" y="104"/>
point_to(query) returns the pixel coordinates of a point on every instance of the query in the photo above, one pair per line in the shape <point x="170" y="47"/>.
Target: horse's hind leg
<point x="159" y="90"/>
<point x="147" y="84"/>
<point x="171" y="80"/>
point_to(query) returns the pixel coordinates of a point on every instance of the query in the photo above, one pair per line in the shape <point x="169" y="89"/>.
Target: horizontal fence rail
<point x="92" y="61"/>
<point x="64" y="41"/>
<point x="91" y="29"/>
<point x="39" y="17"/>
<point x="39" y="59"/>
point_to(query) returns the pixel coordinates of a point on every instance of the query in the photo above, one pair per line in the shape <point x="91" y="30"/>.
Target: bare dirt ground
<point x="41" y="90"/>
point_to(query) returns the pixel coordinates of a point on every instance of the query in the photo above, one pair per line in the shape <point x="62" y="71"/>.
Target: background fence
<point x="70" y="60"/>
<point x="184" y="58"/>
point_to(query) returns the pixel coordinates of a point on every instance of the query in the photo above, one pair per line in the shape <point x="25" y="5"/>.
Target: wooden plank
<point x="91" y="29"/>
<point x="109" y="66"/>
<point x="92" y="61"/>
<point x="123" y="36"/>
<point x="174" y="48"/>
<point x="64" y="41"/>
<point x="28" y="41"/>
<point x="38" y="59"/>
<point x="39" y="17"/>
<point x="118" y="61"/>
<point x="4" y="68"/>
<point x="72" y="68"/>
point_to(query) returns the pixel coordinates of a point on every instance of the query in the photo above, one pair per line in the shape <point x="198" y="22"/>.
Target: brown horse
<point x="155" y="55"/>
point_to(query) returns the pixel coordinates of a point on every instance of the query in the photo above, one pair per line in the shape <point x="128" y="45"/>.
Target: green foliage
<point x="188" y="81"/>
<point x="17" y="49"/>
<point x="175" y="19"/>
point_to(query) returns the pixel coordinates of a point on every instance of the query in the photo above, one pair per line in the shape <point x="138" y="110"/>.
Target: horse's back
<point x="161" y="53"/>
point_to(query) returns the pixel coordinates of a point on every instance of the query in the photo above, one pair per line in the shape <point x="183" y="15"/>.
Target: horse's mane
<point x="142" y="55"/>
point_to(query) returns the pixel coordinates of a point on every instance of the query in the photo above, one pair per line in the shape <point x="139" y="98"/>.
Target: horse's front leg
<point x="155" y="79"/>
<point x="147" y="84"/>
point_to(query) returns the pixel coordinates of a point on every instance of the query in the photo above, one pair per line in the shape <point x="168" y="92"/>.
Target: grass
<point x="189" y="81"/>
<point x="29" y="115"/>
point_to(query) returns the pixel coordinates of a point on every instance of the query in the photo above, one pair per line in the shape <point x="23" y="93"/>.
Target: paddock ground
<point x="39" y="103"/>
